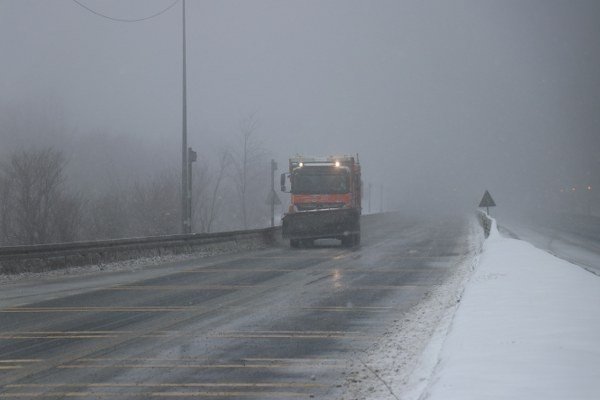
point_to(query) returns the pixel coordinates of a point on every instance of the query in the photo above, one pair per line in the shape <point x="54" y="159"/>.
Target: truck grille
<point x="317" y="206"/>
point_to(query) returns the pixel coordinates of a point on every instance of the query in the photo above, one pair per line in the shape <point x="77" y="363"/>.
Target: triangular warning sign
<point x="487" y="200"/>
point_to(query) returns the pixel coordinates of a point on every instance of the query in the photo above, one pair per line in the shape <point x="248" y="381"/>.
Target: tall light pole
<point x="381" y="198"/>
<point x="273" y="195"/>
<point x="589" y="200"/>
<point x="192" y="156"/>
<point x="185" y="218"/>
<point x="370" y="197"/>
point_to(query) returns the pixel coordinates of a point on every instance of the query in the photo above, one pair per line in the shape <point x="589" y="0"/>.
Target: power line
<point x="124" y="19"/>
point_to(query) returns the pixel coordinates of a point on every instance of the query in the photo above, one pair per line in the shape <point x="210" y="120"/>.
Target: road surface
<point x="273" y="323"/>
<point x="574" y="238"/>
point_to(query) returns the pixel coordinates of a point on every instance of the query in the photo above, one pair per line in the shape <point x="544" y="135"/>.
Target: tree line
<point x="39" y="203"/>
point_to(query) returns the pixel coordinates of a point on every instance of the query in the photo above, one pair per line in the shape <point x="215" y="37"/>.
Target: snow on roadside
<point x="527" y="328"/>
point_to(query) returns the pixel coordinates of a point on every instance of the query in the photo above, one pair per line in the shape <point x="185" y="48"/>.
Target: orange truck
<point x="326" y="197"/>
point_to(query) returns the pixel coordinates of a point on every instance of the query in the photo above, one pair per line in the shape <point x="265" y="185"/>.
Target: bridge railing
<point x="44" y="257"/>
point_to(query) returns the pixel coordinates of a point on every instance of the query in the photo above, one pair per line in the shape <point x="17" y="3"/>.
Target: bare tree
<point x="6" y="221"/>
<point x="107" y="215"/>
<point x="247" y="159"/>
<point x="68" y="218"/>
<point x="207" y="191"/>
<point x="154" y="206"/>
<point x="36" y="207"/>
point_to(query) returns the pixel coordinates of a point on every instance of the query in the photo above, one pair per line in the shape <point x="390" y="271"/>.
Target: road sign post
<point x="273" y="198"/>
<point x="487" y="202"/>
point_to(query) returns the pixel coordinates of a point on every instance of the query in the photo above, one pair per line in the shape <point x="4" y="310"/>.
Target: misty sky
<point x="442" y="99"/>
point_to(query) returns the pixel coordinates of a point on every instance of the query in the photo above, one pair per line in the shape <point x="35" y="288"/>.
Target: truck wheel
<point x="348" y="241"/>
<point x="295" y="243"/>
<point x="308" y="242"/>
<point x="351" y="240"/>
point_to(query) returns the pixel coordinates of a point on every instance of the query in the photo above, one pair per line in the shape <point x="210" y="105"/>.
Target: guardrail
<point x="37" y="258"/>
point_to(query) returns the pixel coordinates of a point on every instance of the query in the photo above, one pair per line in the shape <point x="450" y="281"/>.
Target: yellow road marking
<point x="268" y="363"/>
<point x="169" y="385"/>
<point x="229" y="394"/>
<point x="65" y="332"/>
<point x="389" y="287"/>
<point x="285" y="335"/>
<point x="152" y="309"/>
<point x="312" y="256"/>
<point x="17" y="363"/>
<point x="98" y="309"/>
<point x="368" y="269"/>
<point x="169" y="334"/>
<point x="387" y="270"/>
<point x="302" y="332"/>
<point x="100" y="359"/>
<point x="63" y="335"/>
<point x="177" y="332"/>
<point x="58" y="337"/>
<point x="415" y="257"/>
<point x="222" y="270"/>
<point x="352" y="309"/>
<point x="296" y="360"/>
<point x="185" y="366"/>
<point x="276" y="336"/>
<point x="187" y="359"/>
<point x="185" y="287"/>
<point x="156" y="394"/>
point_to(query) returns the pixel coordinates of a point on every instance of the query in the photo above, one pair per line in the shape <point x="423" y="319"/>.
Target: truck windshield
<point x="313" y="180"/>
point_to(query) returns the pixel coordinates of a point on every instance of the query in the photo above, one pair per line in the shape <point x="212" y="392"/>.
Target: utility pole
<point x="370" y="185"/>
<point x="185" y="195"/>
<point x="381" y="198"/>
<point x="191" y="157"/>
<point x="273" y="169"/>
<point x="589" y="200"/>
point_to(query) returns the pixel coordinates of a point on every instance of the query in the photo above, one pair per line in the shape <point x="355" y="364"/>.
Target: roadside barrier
<point x="485" y="222"/>
<point x="44" y="257"/>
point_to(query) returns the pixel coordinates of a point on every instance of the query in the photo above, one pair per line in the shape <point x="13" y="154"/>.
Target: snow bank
<point x="528" y="327"/>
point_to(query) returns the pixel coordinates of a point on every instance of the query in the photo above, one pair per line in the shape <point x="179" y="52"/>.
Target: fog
<point x="441" y="99"/>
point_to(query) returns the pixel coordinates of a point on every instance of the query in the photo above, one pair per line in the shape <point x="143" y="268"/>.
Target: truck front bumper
<point x="319" y="224"/>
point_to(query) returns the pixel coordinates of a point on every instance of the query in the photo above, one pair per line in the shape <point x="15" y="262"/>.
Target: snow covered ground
<point x="527" y="327"/>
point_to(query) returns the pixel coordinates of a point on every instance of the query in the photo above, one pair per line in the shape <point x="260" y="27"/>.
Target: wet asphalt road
<point x="273" y="323"/>
<point x="574" y="238"/>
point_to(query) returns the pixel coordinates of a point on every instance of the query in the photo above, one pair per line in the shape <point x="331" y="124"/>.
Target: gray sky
<point x="442" y="99"/>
